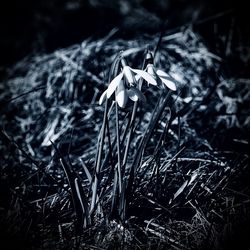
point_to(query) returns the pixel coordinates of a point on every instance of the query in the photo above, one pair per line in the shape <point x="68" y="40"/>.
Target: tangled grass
<point x="192" y="182"/>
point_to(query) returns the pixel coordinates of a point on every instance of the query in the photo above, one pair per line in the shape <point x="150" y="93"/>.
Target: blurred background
<point x="43" y="26"/>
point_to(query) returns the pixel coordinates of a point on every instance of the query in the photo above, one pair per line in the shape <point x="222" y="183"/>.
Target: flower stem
<point x="131" y="127"/>
<point x="122" y="204"/>
<point x="113" y="70"/>
<point x="99" y="157"/>
<point x="118" y="147"/>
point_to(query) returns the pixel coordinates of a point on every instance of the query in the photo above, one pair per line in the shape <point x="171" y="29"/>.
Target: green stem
<point x="113" y="71"/>
<point x="131" y="127"/>
<point x="99" y="157"/>
<point x="147" y="135"/>
<point x="122" y="204"/>
<point x="118" y="148"/>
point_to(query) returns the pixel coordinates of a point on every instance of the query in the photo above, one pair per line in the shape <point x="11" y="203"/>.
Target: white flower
<point x="159" y="75"/>
<point x="124" y="91"/>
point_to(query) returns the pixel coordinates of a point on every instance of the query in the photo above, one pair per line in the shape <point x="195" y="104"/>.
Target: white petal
<point x="103" y="97"/>
<point x="121" y="96"/>
<point x="113" y="85"/>
<point x="137" y="77"/>
<point x="135" y="94"/>
<point x="129" y="75"/>
<point x="145" y="76"/>
<point x="150" y="69"/>
<point x="162" y="73"/>
<point x="170" y="84"/>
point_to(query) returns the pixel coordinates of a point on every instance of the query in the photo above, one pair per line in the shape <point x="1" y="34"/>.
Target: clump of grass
<point x="145" y="176"/>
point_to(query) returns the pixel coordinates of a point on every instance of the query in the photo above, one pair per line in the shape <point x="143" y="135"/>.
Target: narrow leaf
<point x="180" y="190"/>
<point x="86" y="171"/>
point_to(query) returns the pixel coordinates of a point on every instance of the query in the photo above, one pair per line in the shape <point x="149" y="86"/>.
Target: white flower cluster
<point x="125" y="84"/>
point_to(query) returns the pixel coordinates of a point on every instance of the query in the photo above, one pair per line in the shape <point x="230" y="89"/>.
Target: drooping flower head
<point x="125" y="85"/>
<point x="159" y="75"/>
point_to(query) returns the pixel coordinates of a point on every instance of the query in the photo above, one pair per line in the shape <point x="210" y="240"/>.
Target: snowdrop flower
<point x="159" y="75"/>
<point x="124" y="85"/>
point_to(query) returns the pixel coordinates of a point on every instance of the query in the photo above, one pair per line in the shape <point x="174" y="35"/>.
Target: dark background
<point x="42" y="26"/>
